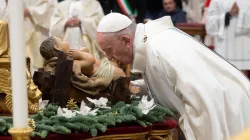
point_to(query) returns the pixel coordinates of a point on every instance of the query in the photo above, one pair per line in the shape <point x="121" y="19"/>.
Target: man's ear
<point x="126" y="39"/>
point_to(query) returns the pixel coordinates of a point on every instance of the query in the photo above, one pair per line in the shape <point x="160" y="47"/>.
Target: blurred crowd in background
<point x="226" y="23"/>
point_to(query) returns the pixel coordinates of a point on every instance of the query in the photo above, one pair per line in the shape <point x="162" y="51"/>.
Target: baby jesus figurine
<point x="85" y="65"/>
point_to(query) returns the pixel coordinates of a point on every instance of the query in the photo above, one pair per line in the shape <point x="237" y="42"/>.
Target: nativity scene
<point x="86" y="96"/>
<point x="124" y="70"/>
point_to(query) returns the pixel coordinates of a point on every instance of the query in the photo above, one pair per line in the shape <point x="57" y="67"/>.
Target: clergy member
<point x="36" y="20"/>
<point x="229" y="23"/>
<point x="3" y="10"/>
<point x="193" y="8"/>
<point x="76" y="22"/>
<point x="210" y="94"/>
<point x="206" y="5"/>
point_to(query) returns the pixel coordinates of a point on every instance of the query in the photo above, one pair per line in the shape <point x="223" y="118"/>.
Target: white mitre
<point x="113" y="22"/>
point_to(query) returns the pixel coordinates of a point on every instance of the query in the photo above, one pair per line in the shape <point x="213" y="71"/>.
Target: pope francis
<point x="211" y="95"/>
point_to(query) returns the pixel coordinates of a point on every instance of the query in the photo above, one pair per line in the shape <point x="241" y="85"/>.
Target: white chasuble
<point x="231" y="42"/>
<point x="89" y="12"/>
<point x="37" y="28"/>
<point x="193" y="8"/>
<point x="210" y="94"/>
<point x="75" y="34"/>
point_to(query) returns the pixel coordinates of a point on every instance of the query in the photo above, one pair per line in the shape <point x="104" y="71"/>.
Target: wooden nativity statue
<point x="90" y="76"/>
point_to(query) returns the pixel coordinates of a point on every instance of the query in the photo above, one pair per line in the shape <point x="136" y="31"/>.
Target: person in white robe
<point x="208" y="38"/>
<point x="76" y="21"/>
<point x="193" y="8"/>
<point x="229" y="23"/>
<point x="3" y="10"/>
<point x="211" y="95"/>
<point x="37" y="14"/>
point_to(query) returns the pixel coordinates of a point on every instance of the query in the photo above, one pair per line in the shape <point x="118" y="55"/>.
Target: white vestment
<point x="3" y="10"/>
<point x="231" y="42"/>
<point x="211" y="95"/>
<point x="193" y="8"/>
<point x="75" y="34"/>
<point x="36" y="27"/>
<point x="89" y="12"/>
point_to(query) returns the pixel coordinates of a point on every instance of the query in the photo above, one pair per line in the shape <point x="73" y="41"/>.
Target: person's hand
<point x="73" y="22"/>
<point x="69" y="23"/>
<point x="26" y="12"/>
<point x="75" y="54"/>
<point x="134" y="89"/>
<point x="76" y="21"/>
<point x="77" y="69"/>
<point x="234" y="10"/>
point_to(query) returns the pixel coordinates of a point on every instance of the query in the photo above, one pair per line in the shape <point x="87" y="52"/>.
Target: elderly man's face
<point x="118" y="48"/>
<point x="169" y="5"/>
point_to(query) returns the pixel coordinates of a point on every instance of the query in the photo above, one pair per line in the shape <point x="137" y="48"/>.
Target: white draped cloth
<point x="231" y="42"/>
<point x="211" y="95"/>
